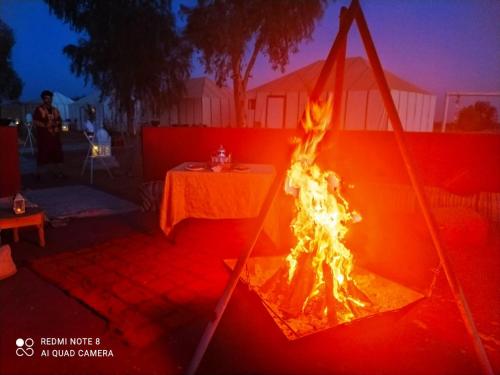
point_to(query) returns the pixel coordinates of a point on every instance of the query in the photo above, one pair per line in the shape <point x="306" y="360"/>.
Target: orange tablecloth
<point x="210" y="195"/>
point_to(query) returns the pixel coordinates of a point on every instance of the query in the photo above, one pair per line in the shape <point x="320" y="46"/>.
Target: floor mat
<point x="141" y="284"/>
<point x="78" y="201"/>
<point x="27" y="164"/>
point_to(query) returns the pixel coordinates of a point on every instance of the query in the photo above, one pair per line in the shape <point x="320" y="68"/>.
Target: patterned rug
<point x="78" y="201"/>
<point x="144" y="286"/>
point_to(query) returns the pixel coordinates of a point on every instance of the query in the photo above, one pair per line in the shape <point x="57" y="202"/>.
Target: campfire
<point x="318" y="285"/>
<point x="318" y="277"/>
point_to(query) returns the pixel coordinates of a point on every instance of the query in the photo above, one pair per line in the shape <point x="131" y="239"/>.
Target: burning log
<point x="291" y="299"/>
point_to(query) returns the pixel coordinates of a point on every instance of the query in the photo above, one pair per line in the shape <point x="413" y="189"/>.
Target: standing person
<point x="48" y="124"/>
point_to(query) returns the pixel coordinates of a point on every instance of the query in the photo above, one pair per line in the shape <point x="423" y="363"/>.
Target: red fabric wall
<point x="10" y="177"/>
<point x="165" y="147"/>
<point x="460" y="163"/>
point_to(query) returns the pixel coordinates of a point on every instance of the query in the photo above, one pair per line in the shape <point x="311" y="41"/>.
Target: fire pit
<point x="384" y="295"/>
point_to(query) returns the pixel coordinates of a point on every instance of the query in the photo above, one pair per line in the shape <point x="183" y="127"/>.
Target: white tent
<point x="204" y="103"/>
<point x="104" y="112"/>
<point x="62" y="103"/>
<point x="280" y="103"/>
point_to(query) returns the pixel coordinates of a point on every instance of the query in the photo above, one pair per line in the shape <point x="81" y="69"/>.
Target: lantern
<point x="221" y="158"/>
<point x="101" y="150"/>
<point x="19" y="204"/>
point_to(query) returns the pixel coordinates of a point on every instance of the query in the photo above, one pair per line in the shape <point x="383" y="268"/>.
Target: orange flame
<point x="320" y="224"/>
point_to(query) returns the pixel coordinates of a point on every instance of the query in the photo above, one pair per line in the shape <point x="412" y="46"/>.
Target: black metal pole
<point x="336" y="49"/>
<point x="335" y="55"/>
<point x="339" y="74"/>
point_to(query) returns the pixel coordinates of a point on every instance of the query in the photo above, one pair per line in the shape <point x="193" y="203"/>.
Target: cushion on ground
<point x="460" y="226"/>
<point x="7" y="266"/>
<point x="151" y="193"/>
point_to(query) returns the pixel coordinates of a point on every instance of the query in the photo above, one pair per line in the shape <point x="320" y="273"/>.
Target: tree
<point x="11" y="85"/>
<point x="476" y="117"/>
<point x="130" y="50"/>
<point x="230" y="34"/>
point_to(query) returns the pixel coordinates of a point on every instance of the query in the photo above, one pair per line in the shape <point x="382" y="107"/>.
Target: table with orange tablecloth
<point x="204" y="194"/>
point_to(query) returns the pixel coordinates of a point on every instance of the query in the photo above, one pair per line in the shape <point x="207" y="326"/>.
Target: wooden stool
<point x="32" y="216"/>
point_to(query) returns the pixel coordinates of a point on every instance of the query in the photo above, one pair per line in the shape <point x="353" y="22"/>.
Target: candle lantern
<point x="221" y="158"/>
<point x="19" y="204"/>
<point x="101" y="150"/>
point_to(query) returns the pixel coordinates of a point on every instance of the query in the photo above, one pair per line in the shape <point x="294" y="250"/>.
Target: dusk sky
<point x="440" y="45"/>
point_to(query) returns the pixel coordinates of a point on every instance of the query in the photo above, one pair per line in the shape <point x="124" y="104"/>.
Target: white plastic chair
<point x="29" y="136"/>
<point x="99" y="152"/>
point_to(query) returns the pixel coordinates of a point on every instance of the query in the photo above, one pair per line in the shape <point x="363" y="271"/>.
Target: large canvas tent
<point x="203" y="103"/>
<point x="280" y="103"/>
<point x="19" y="110"/>
<point x="62" y="103"/>
<point x="104" y="111"/>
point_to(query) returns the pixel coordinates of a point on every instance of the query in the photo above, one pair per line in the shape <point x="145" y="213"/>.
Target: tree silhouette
<point x="230" y="34"/>
<point x="11" y="85"/>
<point x="130" y="50"/>
<point x="476" y="117"/>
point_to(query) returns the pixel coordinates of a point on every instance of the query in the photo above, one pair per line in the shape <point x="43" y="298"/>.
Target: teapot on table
<point x="221" y="157"/>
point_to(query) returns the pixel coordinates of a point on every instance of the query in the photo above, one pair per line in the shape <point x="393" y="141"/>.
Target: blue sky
<point x="440" y="45"/>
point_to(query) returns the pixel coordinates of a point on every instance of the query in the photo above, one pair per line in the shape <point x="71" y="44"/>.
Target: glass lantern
<point x="19" y="204"/>
<point x="101" y="150"/>
<point x="221" y="157"/>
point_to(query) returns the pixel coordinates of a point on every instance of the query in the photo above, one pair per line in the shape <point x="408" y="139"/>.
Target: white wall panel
<point x="292" y="109"/>
<point x="426" y="109"/>
<point x="356" y="108"/>
<point x="432" y="112"/>
<point x="216" y="112"/>
<point x="411" y="124"/>
<point x="275" y="112"/>
<point x="419" y="102"/>
<point x="395" y="97"/>
<point x="402" y="108"/>
<point x="376" y="116"/>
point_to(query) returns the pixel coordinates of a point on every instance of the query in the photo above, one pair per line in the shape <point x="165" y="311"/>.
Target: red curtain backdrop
<point x="459" y="163"/>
